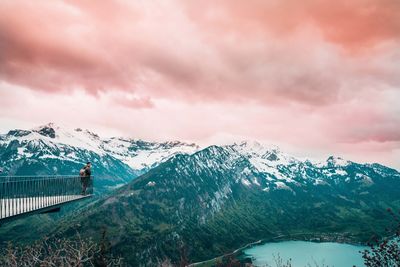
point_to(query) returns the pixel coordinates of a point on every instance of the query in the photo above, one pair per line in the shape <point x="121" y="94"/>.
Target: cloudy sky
<point x="314" y="77"/>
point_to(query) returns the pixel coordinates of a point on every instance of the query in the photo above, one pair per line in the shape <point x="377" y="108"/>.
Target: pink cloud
<point x="354" y="24"/>
<point x="193" y="53"/>
<point x="308" y="74"/>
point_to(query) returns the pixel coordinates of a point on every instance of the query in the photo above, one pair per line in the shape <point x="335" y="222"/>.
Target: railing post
<point x="25" y="194"/>
<point x="1" y="199"/>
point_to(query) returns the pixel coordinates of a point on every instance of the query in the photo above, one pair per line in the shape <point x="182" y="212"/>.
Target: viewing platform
<point x="26" y="195"/>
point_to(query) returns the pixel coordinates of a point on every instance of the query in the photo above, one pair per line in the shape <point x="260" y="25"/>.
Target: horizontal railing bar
<point x="38" y="209"/>
<point x="47" y="179"/>
<point x="35" y="178"/>
<point x="22" y="194"/>
<point x="12" y="176"/>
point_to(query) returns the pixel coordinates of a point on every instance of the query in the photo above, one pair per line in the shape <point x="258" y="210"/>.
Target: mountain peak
<point x="47" y="125"/>
<point x="333" y="161"/>
<point x="47" y="130"/>
<point x="255" y="147"/>
<point x="56" y="131"/>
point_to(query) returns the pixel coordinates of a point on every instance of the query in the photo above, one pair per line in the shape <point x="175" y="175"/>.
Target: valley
<point x="214" y="200"/>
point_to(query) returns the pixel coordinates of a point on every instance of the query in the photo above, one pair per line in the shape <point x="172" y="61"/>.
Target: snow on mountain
<point x="263" y="156"/>
<point x="259" y="165"/>
<point x="265" y="159"/>
<point x="267" y="168"/>
<point x="53" y="141"/>
<point x="333" y="161"/>
<point x="230" y="191"/>
<point x="144" y="155"/>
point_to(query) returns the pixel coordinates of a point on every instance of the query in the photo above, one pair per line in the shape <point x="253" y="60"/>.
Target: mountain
<point x="51" y="150"/>
<point x="222" y="197"/>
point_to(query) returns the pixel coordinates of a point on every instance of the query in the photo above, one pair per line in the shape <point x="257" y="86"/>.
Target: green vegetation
<point x="198" y="202"/>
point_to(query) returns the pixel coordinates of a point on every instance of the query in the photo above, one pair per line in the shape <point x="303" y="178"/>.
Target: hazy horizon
<point x="311" y="77"/>
<point x="287" y="150"/>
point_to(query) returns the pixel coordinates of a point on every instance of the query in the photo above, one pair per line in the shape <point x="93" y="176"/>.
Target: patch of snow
<point x="245" y="182"/>
<point x="255" y="181"/>
<point x="340" y="172"/>
<point x="20" y="150"/>
<point x="332" y="162"/>
<point x="151" y="183"/>
<point x="333" y="171"/>
<point x="246" y="171"/>
<point x="319" y="182"/>
<point x="260" y="153"/>
<point x="281" y="185"/>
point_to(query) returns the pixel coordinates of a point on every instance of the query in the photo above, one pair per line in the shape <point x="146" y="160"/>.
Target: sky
<point x="315" y="77"/>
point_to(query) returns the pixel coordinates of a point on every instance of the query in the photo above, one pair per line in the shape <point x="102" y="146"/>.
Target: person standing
<point x="85" y="174"/>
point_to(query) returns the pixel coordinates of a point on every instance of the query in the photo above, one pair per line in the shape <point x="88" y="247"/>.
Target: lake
<point x="303" y="253"/>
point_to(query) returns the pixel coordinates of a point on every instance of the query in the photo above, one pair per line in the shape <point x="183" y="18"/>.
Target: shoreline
<point x="310" y="237"/>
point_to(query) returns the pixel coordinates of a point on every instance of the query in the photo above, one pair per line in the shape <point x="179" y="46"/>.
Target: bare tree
<point x="76" y="252"/>
<point x="386" y="251"/>
<point x="279" y="262"/>
<point x="184" y="255"/>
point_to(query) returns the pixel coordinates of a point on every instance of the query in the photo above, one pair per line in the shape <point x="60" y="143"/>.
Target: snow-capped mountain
<point x="222" y="197"/>
<point x="213" y="199"/>
<point x="264" y="169"/>
<point x="51" y="149"/>
<point x="278" y="170"/>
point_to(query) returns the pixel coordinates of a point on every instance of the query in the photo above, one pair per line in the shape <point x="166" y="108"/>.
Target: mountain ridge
<point x="216" y="200"/>
<point x="211" y="200"/>
<point x="51" y="149"/>
<point x="124" y="148"/>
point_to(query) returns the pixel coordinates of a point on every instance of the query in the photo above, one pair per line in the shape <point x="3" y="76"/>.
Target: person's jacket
<point x="88" y="172"/>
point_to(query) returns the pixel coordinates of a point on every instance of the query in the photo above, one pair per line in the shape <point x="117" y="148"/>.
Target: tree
<point x="59" y="252"/>
<point x="384" y="252"/>
<point x="184" y="257"/>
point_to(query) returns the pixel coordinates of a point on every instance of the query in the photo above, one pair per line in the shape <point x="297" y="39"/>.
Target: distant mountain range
<point x="51" y="149"/>
<point x="207" y="200"/>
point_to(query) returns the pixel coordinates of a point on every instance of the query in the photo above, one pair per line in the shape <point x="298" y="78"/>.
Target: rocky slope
<point x="222" y="197"/>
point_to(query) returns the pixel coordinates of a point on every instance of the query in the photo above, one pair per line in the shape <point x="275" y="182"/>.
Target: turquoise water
<point x="303" y="253"/>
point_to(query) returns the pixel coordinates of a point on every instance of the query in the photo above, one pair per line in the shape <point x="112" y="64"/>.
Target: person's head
<point x="88" y="164"/>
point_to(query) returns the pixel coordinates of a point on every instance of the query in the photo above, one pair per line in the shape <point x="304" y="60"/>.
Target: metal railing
<point x="24" y="194"/>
